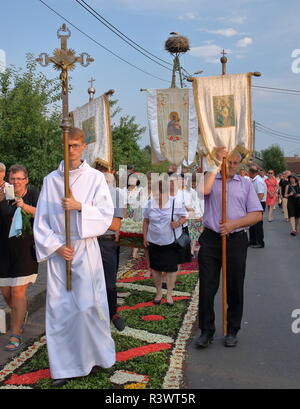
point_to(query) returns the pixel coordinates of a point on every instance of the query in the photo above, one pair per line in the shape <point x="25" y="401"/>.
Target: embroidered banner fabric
<point x="224" y="113"/>
<point x="173" y="125"/>
<point x="94" y="119"/>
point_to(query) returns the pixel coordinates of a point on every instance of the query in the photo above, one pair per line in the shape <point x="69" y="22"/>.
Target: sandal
<point x="16" y="344"/>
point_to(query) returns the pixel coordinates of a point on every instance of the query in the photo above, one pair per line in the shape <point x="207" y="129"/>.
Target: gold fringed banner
<point x="173" y="125"/>
<point x="94" y="119"/>
<point x="223" y="106"/>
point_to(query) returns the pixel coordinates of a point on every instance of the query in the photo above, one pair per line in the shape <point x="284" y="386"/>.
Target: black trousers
<point x="210" y="263"/>
<point x="108" y="250"/>
<point x="256" y="232"/>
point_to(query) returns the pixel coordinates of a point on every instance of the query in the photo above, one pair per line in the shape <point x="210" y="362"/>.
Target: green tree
<point x="125" y="136"/>
<point x="273" y="158"/>
<point x="30" y="131"/>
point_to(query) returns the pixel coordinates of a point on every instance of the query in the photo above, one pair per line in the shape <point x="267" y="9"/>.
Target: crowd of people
<point x="176" y="213"/>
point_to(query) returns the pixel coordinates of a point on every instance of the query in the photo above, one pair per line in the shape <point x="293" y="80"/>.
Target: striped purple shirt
<point x="241" y="199"/>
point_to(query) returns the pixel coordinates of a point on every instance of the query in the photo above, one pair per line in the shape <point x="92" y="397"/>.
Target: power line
<point x="276" y="92"/>
<point x="123" y="37"/>
<point x="276" y="135"/>
<point x="101" y="45"/>
<point x="277" y="89"/>
<point x="278" y="132"/>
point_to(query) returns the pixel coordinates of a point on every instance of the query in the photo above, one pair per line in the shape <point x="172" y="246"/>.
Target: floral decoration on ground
<point x="150" y="350"/>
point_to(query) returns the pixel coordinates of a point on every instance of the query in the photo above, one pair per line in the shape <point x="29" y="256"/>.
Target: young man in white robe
<point x="77" y="321"/>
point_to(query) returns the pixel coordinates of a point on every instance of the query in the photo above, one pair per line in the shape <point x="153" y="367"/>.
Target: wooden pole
<point x="64" y="59"/>
<point x="224" y="219"/>
<point x="224" y="249"/>
<point x="223" y="60"/>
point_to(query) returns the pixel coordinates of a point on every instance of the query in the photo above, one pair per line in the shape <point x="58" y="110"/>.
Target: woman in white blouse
<point x="159" y="231"/>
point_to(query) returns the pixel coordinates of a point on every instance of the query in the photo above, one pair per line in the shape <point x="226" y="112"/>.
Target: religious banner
<point x="173" y="125"/>
<point x="224" y="112"/>
<point x="94" y="119"/>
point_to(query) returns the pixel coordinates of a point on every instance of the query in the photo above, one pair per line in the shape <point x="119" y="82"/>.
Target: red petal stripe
<point x="141" y="351"/>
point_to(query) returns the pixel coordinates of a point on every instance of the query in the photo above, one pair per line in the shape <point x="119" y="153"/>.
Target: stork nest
<point x="177" y="44"/>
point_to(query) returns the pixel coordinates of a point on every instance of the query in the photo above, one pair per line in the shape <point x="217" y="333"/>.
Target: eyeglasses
<point x="270" y="173"/>
<point x="17" y="179"/>
<point x="75" y="146"/>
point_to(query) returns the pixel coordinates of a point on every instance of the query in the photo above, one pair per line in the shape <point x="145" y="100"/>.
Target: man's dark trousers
<point x="256" y="232"/>
<point x="109" y="259"/>
<point x="210" y="263"/>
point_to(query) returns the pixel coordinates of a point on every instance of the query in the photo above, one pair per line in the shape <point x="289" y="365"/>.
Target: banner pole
<point x="223" y="60"/>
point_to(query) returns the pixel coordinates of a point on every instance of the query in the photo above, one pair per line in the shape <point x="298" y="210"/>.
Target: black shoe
<point x="230" y="340"/>
<point x="95" y="370"/>
<point x="257" y="246"/>
<point x="164" y="285"/>
<point x="58" y="383"/>
<point x="204" y="340"/>
<point x="118" y="322"/>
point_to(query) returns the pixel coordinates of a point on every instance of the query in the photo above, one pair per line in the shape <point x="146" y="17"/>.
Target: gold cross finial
<point x="64" y="58"/>
<point x="223" y="60"/>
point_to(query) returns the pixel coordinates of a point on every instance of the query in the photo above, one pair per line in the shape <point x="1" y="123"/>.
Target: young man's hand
<point x="69" y="203"/>
<point x="66" y="252"/>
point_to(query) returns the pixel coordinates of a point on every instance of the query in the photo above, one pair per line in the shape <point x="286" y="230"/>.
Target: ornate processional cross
<point x="64" y="59"/>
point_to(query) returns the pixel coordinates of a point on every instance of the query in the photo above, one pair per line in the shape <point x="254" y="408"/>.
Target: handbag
<point x="296" y="198"/>
<point x="183" y="243"/>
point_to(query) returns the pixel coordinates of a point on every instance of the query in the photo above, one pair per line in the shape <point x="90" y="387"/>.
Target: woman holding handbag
<point x="160" y="232"/>
<point x="292" y="193"/>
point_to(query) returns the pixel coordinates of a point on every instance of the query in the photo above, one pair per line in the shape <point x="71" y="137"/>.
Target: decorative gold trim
<point x="200" y="123"/>
<point x="241" y="149"/>
<point x="108" y="125"/>
<point x="249" y="113"/>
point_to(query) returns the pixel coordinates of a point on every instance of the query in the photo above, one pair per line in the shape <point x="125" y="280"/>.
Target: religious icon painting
<point x="88" y="126"/>
<point x="173" y="125"/>
<point x="224" y="113"/>
<point x="94" y="119"/>
<point x="223" y="105"/>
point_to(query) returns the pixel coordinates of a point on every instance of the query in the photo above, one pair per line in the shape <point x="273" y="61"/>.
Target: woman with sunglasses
<point x="272" y="188"/>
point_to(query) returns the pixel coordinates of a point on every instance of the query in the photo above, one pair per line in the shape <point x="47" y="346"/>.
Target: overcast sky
<point x="258" y="35"/>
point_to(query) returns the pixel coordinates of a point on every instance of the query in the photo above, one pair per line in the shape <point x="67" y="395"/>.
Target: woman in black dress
<point x="292" y="193"/>
<point x="18" y="266"/>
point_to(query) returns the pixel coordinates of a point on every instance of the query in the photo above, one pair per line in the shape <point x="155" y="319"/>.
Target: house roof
<point x="293" y="164"/>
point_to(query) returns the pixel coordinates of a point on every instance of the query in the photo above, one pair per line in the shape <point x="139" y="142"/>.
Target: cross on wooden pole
<point x="64" y="59"/>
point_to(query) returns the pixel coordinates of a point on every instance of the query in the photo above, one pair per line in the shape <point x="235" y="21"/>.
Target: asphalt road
<point x="268" y="353"/>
